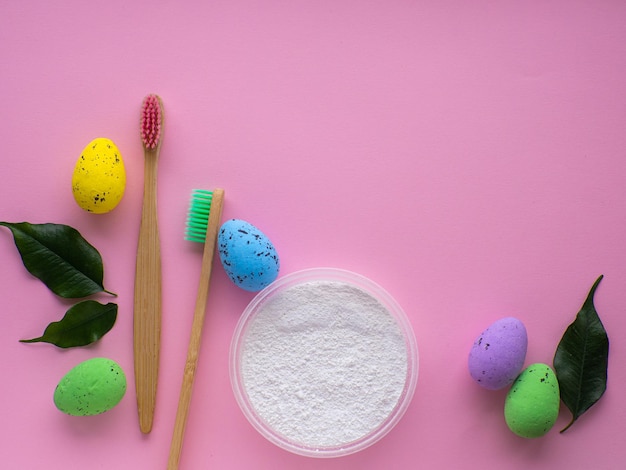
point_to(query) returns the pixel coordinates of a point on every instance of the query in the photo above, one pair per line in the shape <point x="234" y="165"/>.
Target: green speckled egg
<point x="532" y="404"/>
<point x="99" y="178"/>
<point x="91" y="388"/>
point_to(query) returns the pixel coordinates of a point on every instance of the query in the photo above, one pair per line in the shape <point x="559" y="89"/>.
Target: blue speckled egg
<point x="247" y="255"/>
<point x="497" y="356"/>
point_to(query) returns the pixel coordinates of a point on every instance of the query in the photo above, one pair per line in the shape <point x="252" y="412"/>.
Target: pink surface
<point x="467" y="156"/>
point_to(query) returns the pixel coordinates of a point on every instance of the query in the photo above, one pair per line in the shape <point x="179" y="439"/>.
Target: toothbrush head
<point x="151" y="121"/>
<point x="198" y="215"/>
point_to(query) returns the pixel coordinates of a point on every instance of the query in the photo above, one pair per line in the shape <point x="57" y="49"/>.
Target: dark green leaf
<point x="60" y="257"/>
<point x="83" y="324"/>
<point x="581" y="360"/>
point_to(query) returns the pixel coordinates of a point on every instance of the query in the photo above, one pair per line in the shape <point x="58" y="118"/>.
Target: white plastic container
<point x="308" y="408"/>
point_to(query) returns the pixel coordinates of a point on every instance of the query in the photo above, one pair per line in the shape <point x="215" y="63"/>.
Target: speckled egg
<point x="247" y="255"/>
<point x="91" y="388"/>
<point x="497" y="356"/>
<point x="99" y="177"/>
<point x="532" y="404"/>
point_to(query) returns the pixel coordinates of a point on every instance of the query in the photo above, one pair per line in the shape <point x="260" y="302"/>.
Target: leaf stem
<point x="32" y="340"/>
<point x="568" y="426"/>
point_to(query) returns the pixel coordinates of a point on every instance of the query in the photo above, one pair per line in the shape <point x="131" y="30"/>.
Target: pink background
<point x="467" y="156"/>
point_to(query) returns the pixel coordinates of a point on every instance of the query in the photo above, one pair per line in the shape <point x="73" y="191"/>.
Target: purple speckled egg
<point x="497" y="356"/>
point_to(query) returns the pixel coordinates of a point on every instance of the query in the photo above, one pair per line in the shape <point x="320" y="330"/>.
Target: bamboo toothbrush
<point x="147" y="306"/>
<point x="203" y="222"/>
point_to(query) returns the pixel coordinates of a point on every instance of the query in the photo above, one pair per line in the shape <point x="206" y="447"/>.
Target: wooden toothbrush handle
<point x="147" y="304"/>
<point x="193" y="350"/>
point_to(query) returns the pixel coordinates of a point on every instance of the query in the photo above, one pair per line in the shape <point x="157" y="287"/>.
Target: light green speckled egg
<point x="532" y="404"/>
<point x="91" y="388"/>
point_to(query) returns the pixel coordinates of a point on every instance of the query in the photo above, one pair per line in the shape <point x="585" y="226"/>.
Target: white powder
<point x="323" y="363"/>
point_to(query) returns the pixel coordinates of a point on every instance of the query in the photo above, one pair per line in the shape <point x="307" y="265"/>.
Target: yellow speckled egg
<point x="99" y="178"/>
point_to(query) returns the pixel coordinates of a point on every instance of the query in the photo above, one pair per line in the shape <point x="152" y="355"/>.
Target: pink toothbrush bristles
<point x="151" y="121"/>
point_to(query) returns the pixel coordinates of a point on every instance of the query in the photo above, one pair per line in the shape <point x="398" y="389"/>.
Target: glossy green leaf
<point x="83" y="324"/>
<point x="60" y="257"/>
<point x="581" y="360"/>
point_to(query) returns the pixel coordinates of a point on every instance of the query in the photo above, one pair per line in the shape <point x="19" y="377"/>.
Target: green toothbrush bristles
<point x="198" y="215"/>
